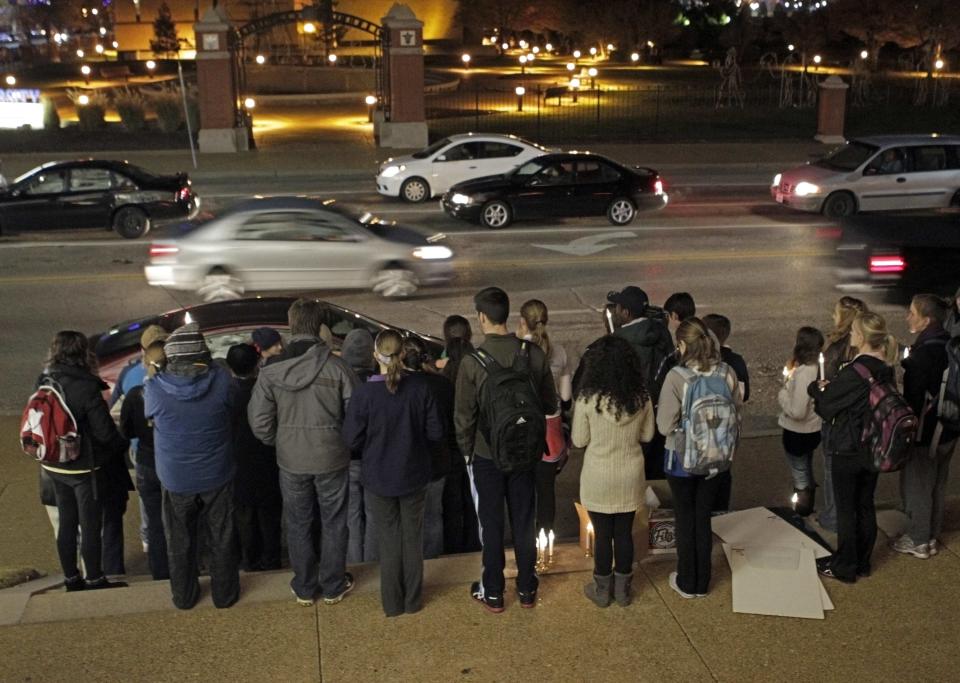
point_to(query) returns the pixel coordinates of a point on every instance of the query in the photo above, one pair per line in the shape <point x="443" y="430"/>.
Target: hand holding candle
<point x="822" y="373"/>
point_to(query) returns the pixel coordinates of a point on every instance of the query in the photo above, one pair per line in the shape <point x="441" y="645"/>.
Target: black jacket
<point x="256" y="462"/>
<point x="134" y="425"/>
<point x="843" y="404"/>
<point x="651" y="341"/>
<point x="922" y="375"/>
<point x="445" y="454"/>
<point x="99" y="439"/>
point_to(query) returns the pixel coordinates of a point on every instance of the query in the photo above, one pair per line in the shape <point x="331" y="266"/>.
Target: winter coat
<point x="192" y="419"/>
<point x="612" y="478"/>
<point x="298" y="405"/>
<point x="651" y="341"/>
<point x="99" y="439"/>
<point x="922" y="376"/>
<point x="796" y="406"/>
<point x="256" y="462"/>
<point x="394" y="432"/>
<point x="134" y="425"/>
<point x="843" y="404"/>
<point x="836" y="355"/>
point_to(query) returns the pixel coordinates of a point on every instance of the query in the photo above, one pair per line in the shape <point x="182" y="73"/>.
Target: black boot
<point x="805" y="501"/>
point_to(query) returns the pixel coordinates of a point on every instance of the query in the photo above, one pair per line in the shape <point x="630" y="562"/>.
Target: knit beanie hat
<point x="265" y="338"/>
<point x="187" y="345"/>
<point x="357" y="349"/>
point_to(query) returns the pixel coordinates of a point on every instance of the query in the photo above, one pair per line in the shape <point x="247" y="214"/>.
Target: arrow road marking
<point x="586" y="246"/>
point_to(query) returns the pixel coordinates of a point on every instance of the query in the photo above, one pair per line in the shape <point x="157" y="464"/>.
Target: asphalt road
<point x="721" y="239"/>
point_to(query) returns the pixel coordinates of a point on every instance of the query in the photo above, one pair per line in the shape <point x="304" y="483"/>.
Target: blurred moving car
<point x="94" y="193"/>
<point x="878" y="173"/>
<point x="297" y="243"/>
<point x="905" y="255"/>
<point x="432" y="171"/>
<point x="226" y="323"/>
<point x="559" y="185"/>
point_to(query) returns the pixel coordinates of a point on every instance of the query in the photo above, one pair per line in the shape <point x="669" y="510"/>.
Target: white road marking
<point x="584" y="246"/>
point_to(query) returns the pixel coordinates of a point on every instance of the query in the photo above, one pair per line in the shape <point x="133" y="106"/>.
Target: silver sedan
<point x="297" y="243"/>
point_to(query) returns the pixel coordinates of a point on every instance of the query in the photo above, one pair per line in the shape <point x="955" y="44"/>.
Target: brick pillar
<point x="407" y="125"/>
<point x="220" y="127"/>
<point x="831" y="110"/>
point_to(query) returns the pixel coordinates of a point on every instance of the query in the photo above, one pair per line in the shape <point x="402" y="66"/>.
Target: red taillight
<point x="658" y="187"/>
<point x="888" y="263"/>
<point x="161" y="250"/>
<point x="183" y="194"/>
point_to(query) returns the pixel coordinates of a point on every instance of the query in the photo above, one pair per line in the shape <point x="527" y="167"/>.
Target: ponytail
<point x="387" y="349"/>
<point x="891" y="350"/>
<point x="534" y="314"/>
<point x="873" y="329"/>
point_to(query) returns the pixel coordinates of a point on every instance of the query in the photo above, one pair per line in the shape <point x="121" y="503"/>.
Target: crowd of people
<point x="380" y="451"/>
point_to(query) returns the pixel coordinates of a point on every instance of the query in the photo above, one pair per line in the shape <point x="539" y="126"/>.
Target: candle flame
<point x="589" y="527"/>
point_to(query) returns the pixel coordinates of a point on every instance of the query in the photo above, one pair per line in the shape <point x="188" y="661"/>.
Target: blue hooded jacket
<point x="191" y="429"/>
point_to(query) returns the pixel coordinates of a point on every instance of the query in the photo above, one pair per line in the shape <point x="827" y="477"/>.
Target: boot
<point x="805" y="501"/>
<point x="598" y="592"/>
<point x="622" y="590"/>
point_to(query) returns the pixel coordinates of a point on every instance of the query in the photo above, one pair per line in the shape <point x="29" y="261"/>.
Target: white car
<point x="879" y="173"/>
<point x="432" y="171"/>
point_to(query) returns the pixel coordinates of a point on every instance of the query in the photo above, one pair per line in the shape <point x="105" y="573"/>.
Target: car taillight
<point x="658" y="187"/>
<point x="183" y="194"/>
<point x="161" y="250"/>
<point x="887" y="263"/>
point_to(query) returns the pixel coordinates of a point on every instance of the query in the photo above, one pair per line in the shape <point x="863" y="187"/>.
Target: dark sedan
<point x="564" y="185"/>
<point x="226" y="323"/>
<point x="92" y="193"/>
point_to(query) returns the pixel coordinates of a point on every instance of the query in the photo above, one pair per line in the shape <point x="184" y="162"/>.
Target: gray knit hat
<point x="187" y="345"/>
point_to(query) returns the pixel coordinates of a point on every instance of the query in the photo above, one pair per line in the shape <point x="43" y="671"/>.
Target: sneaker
<point x="934" y="545"/>
<point x="75" y="583"/>
<point x="824" y="569"/>
<point x="303" y="602"/>
<point x="673" y="584"/>
<point x="348" y="586"/>
<point x="493" y="603"/>
<point x="527" y="600"/>
<point x="905" y="546"/>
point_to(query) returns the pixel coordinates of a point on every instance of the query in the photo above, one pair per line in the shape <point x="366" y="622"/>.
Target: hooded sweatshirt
<point x="298" y="405"/>
<point x="191" y="429"/>
<point x="612" y="479"/>
<point x="357" y="351"/>
<point x="652" y="343"/>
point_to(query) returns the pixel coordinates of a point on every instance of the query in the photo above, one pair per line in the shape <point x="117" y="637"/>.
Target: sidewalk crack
<point x="316" y="616"/>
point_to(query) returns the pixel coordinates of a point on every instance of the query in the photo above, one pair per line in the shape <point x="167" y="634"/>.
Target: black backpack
<point x="948" y="402"/>
<point x="511" y="415"/>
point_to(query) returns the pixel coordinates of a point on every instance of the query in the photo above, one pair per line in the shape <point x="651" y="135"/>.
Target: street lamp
<point x="505" y="46"/>
<point x="817" y="59"/>
<point x="548" y="47"/>
<point x="592" y="73"/>
<point x="521" y="91"/>
<point x="99" y="49"/>
<point x="261" y="59"/>
<point x="575" y="86"/>
<point x="864" y="54"/>
<point x="83" y="100"/>
<point x="249" y="103"/>
<point x="531" y="57"/>
<point x="85" y="70"/>
<point x="523" y="64"/>
<point x="790" y="47"/>
<point x="115" y="45"/>
<point x="309" y="27"/>
<point x="103" y="31"/>
<point x="332" y="58"/>
<point x="610" y="47"/>
<point x="11" y="80"/>
<point x="371" y="101"/>
<point x="634" y="57"/>
<point x="80" y="54"/>
<point x="938" y="65"/>
<point x="571" y="66"/>
<point x="576" y="54"/>
<point x="151" y="65"/>
<point x="535" y="50"/>
<point x="593" y="52"/>
<point x="465" y="58"/>
<point x="523" y="45"/>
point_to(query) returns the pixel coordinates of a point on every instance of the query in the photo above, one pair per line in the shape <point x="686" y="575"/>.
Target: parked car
<point x="879" y="173"/>
<point x="297" y="243"/>
<point x="432" y="171"/>
<point x="226" y="323"/>
<point x="558" y="185"/>
<point x="94" y="193"/>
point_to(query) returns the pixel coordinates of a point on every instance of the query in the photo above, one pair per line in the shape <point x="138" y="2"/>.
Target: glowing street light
<point x="523" y="45"/>
<point x="592" y="73"/>
<point x="574" y="86"/>
<point x="465" y="58"/>
<point x="83" y="100"/>
<point x="531" y="57"/>
<point x="864" y="54"/>
<point x="332" y="58"/>
<point x="535" y="50"/>
<point x="99" y="49"/>
<point x="817" y="59"/>
<point x="11" y="80"/>
<point x="505" y="47"/>
<point x="309" y="27"/>
<point x="610" y="47"/>
<point x="261" y="59"/>
<point x="938" y="65"/>
<point x="571" y="66"/>
<point x="576" y="54"/>
<point x="520" y="91"/>
<point x="791" y="47"/>
<point x="249" y="103"/>
<point x="80" y="54"/>
<point x="523" y="64"/>
<point x="103" y="31"/>
<point x="151" y="65"/>
<point x="593" y="52"/>
<point x="94" y="11"/>
<point x="85" y="70"/>
<point x="548" y="47"/>
<point x="634" y="57"/>
<point x="115" y="45"/>
<point x="371" y="101"/>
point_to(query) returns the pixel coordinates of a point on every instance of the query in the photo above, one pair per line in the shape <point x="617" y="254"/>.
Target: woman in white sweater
<point x="612" y="416"/>
<point x="801" y="425"/>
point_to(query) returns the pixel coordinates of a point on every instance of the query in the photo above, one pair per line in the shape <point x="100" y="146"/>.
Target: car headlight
<point x="459" y="198"/>
<point x="776" y="179"/>
<point x="432" y="252"/>
<point x="391" y="171"/>
<point x="804" y="188"/>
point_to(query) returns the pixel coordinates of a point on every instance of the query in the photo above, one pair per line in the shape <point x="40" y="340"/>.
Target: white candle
<point x="541" y="546"/>
<point x="786" y="372"/>
<point x="906" y="352"/>
<point x="550" y="546"/>
<point x="822" y="373"/>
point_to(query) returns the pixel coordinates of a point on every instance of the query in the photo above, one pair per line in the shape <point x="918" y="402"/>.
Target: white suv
<point x="878" y="173"/>
<point x="434" y="170"/>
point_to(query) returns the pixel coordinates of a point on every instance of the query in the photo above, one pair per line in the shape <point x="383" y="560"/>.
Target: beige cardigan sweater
<point x="612" y="478"/>
<point x="796" y="407"/>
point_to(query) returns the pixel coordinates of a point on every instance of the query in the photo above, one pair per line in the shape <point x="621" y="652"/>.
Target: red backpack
<point x="890" y="425"/>
<point x="49" y="431"/>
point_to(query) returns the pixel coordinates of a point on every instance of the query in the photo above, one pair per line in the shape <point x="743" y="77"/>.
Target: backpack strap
<point x="864" y="372"/>
<point x="486" y="361"/>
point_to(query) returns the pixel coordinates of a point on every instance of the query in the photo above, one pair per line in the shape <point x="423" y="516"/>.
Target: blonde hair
<point x="154" y="359"/>
<point x="699" y="346"/>
<point x="846" y="310"/>
<point x="387" y="350"/>
<point x="534" y="314"/>
<point x="873" y="328"/>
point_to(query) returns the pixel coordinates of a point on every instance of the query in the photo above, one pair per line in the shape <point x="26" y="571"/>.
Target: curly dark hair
<point x="611" y="370"/>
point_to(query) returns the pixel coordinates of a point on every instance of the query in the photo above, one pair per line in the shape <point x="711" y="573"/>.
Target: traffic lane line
<point x="545" y="260"/>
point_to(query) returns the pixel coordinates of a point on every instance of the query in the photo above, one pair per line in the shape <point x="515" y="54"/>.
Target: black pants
<point x="114" y="505"/>
<point x="78" y="508"/>
<point x="258" y="528"/>
<point x="546" y="495"/>
<point x="492" y="487"/>
<point x="613" y="540"/>
<point x="151" y="494"/>
<point x="653" y="457"/>
<point x="399" y="522"/>
<point x="453" y="512"/>
<point x="724" y="488"/>
<point x="185" y="518"/>
<point x="854" y="484"/>
<point x="693" y="499"/>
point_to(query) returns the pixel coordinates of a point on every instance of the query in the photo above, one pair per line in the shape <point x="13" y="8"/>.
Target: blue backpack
<point x="709" y="429"/>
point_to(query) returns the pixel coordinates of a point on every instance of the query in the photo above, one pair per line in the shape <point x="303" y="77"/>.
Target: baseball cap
<point x="154" y="334"/>
<point x="631" y="298"/>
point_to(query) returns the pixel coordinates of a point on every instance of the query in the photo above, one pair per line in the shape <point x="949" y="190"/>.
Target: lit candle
<point x="822" y="373"/>
<point x="590" y="538"/>
<point x="550" y="546"/>
<point x="541" y="546"/>
<point x="906" y="352"/>
<point x="786" y="372"/>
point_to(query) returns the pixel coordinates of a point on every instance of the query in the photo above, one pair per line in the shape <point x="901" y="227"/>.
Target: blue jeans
<point x="801" y="470"/>
<point x="308" y="499"/>
<point x="828" y="512"/>
<point x="356" y="517"/>
<point x="433" y="520"/>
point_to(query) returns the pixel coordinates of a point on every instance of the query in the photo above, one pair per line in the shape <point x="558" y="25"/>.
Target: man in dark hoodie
<point x="298" y="405"/>
<point x="257" y="482"/>
<point x="191" y="404"/>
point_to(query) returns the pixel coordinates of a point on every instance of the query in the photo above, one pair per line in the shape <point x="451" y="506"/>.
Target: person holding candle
<point x="612" y="417"/>
<point x="844" y="403"/>
<point x="838" y="353"/>
<point x="801" y="425"/>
